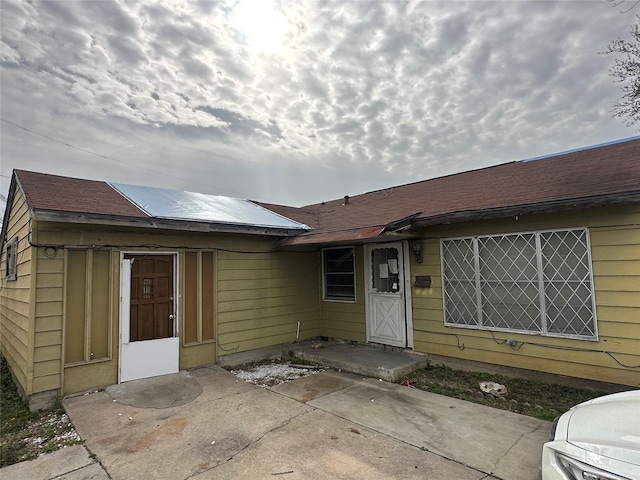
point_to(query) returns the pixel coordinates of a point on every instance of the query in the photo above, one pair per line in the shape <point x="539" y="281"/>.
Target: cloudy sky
<point x="297" y="102"/>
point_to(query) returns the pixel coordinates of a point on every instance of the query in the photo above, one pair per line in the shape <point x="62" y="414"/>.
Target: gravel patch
<point x="273" y="373"/>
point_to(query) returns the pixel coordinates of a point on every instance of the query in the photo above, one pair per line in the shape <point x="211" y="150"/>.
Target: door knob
<point x="171" y="317"/>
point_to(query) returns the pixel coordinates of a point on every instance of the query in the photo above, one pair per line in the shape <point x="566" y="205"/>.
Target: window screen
<point x="338" y="268"/>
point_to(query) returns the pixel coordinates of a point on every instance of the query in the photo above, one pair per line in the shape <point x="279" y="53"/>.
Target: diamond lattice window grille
<point x="567" y="283"/>
<point x="535" y="282"/>
<point x="508" y="277"/>
<point x="459" y="282"/>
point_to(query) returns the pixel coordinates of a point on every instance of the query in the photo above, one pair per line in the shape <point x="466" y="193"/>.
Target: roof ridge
<point x="466" y="172"/>
<point x="581" y="149"/>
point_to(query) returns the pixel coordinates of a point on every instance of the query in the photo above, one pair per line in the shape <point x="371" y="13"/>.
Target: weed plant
<point x="23" y="434"/>
<point x="527" y="397"/>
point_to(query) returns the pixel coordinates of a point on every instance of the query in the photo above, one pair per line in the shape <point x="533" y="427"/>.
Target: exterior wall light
<point x="416" y="248"/>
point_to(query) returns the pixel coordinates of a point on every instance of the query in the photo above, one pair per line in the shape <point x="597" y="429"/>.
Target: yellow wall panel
<point x="50" y="294"/>
<point x="47" y="309"/>
<point x="615" y="243"/>
<point x="16" y="312"/>
<point x="615" y="236"/>
<point x="45" y="280"/>
<point x="50" y="265"/>
<point x="17" y="332"/>
<point x="251" y="324"/>
<point x="197" y="355"/>
<point x="618" y="284"/>
<point x="617" y="314"/>
<point x="264" y="283"/>
<point x="43" y="339"/>
<point x="254" y="304"/>
<point x="45" y="324"/>
<point x="19" y="297"/>
<point x="246" y="314"/>
<point x="44" y="383"/>
<point x="51" y="352"/>
<point x="616" y="267"/>
<point x="190" y="297"/>
<point x="209" y="296"/>
<point x="262" y="297"/>
<point x="614" y="299"/>
<point x="615" y="252"/>
<point x="75" y="310"/>
<point x="47" y="367"/>
<point x="100" y="314"/>
<point x="78" y="378"/>
<point x="258" y="293"/>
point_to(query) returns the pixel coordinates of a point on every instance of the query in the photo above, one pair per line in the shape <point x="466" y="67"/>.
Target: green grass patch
<point x="25" y="435"/>
<point x="14" y="412"/>
<point x="526" y="397"/>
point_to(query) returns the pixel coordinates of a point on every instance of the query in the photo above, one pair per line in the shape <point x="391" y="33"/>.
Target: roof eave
<point x="528" y="209"/>
<point x="335" y="238"/>
<point x="158" y="223"/>
<point x="7" y="210"/>
<point x="403" y="226"/>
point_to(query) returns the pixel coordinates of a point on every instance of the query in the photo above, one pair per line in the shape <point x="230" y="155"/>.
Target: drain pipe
<point x="298" y="332"/>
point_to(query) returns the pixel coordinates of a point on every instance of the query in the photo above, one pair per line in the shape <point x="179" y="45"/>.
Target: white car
<point x="596" y="440"/>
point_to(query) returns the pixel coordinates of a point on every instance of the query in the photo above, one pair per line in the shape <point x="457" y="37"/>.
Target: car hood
<point x="610" y="428"/>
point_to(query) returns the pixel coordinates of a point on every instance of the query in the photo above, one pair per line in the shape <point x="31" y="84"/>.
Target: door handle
<point x="171" y="317"/>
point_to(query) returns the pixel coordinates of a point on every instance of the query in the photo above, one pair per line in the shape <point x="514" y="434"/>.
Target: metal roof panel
<point x="192" y="206"/>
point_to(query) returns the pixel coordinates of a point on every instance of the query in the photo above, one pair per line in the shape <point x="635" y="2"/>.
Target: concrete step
<point x="367" y="359"/>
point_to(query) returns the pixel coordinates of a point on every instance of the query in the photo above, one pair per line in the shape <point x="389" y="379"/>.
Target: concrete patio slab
<point x="349" y="428"/>
<point x="309" y="388"/>
<point x="494" y="441"/>
<point x="182" y="441"/>
<point x="163" y="391"/>
<point x="320" y="446"/>
<point x="71" y="463"/>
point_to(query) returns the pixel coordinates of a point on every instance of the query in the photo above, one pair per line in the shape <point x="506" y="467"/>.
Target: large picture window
<point x="535" y="282"/>
<point x="338" y="271"/>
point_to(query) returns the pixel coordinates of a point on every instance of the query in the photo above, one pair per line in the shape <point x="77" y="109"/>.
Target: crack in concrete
<point x="487" y="475"/>
<point x="77" y="469"/>
<point x="497" y="464"/>
<point x="253" y="442"/>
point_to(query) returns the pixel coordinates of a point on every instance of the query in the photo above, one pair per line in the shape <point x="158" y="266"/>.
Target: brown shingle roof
<point x="64" y="194"/>
<point x="603" y="171"/>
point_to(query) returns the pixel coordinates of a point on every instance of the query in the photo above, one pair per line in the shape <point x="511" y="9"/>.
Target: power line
<point x="60" y="141"/>
<point x="84" y="150"/>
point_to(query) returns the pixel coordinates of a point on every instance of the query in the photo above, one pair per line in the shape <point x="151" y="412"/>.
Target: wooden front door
<point x="149" y="341"/>
<point x="151" y="297"/>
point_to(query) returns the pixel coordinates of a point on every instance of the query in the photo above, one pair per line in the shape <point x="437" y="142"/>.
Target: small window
<point x="339" y="274"/>
<point x="12" y="263"/>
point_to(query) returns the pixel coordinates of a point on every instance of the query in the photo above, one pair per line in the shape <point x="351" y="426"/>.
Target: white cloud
<point x="349" y="97"/>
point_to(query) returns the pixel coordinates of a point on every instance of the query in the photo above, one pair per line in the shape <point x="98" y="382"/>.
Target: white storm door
<point x="386" y="318"/>
<point x="148" y="339"/>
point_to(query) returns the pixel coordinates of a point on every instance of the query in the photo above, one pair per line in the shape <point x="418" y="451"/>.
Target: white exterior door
<point x="386" y="299"/>
<point x="149" y="341"/>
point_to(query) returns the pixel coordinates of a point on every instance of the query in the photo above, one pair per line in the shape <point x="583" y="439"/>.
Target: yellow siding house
<point x="530" y="265"/>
